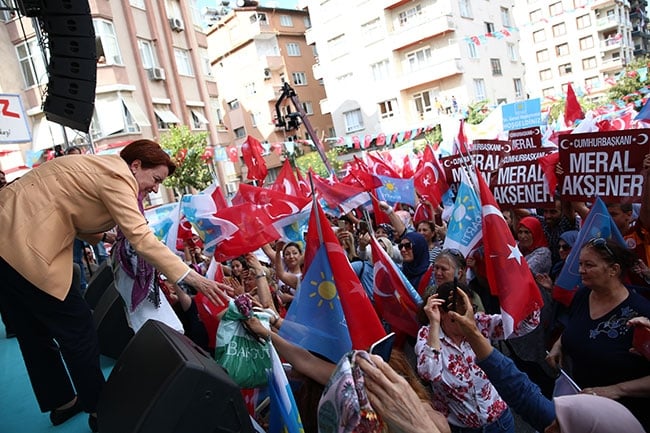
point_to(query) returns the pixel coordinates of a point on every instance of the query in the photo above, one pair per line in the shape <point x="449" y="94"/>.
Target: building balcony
<point x="609" y="45"/>
<point x="430" y="73"/>
<point x="274" y="63"/>
<point x="612" y="64"/>
<point x="310" y="36"/>
<point x="607" y="23"/>
<point x="425" y="27"/>
<point x="392" y="4"/>
<point x="325" y="106"/>
<point x="599" y="4"/>
<point x="253" y="31"/>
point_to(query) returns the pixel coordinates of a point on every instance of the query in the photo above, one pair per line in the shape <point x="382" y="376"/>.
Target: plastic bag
<point x="244" y="357"/>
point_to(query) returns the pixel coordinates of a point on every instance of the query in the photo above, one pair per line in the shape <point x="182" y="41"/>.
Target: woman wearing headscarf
<point x="40" y="216"/>
<point x="415" y="259"/>
<point x="533" y="245"/>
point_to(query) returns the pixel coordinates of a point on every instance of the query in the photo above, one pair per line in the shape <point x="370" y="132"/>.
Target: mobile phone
<point x="342" y="224"/>
<point x="383" y="347"/>
<point x="641" y="340"/>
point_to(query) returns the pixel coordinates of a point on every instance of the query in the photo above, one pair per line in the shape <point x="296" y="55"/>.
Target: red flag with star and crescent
<point x="429" y="179"/>
<point x="507" y="270"/>
<point x="251" y="151"/>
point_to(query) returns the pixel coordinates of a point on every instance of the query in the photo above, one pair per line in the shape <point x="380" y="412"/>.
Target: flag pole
<point x="319" y="228"/>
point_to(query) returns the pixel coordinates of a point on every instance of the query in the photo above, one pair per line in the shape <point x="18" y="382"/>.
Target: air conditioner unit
<point x="156" y="74"/>
<point x="176" y="24"/>
<point x="267" y="74"/>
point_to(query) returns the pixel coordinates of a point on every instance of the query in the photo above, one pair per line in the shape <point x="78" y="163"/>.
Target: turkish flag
<point x="506" y="268"/>
<point x="548" y="163"/>
<point x="429" y="180"/>
<point x="407" y="168"/>
<point x="359" y="175"/>
<point x="461" y="146"/>
<point x="380" y="167"/>
<point x="233" y="155"/>
<point x="394" y="302"/>
<point x="251" y="151"/>
<point x="337" y="194"/>
<point x="572" y="109"/>
<point x="286" y="181"/>
<point x="184" y="233"/>
<point x="275" y="204"/>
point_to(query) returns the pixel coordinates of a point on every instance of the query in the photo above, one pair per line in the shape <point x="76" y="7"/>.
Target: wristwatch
<point x="262" y="275"/>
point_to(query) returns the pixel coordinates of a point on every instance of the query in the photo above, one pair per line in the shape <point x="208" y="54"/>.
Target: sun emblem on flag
<point x="325" y="290"/>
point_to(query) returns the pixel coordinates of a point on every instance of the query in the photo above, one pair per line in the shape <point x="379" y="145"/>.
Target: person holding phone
<point x="447" y="362"/>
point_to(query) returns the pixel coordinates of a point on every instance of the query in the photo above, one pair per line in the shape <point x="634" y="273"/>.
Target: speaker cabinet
<point x="72" y="71"/>
<point x="164" y="383"/>
<point x="99" y="282"/>
<point x="110" y="321"/>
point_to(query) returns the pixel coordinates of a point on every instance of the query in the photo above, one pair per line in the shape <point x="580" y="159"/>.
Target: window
<point x="7" y="15"/>
<point x="147" y="54"/>
<point x="205" y="61"/>
<point x="555" y="9"/>
<point x="126" y="115"/>
<point x="299" y="78"/>
<point x="559" y="29"/>
<point x="542" y="56"/>
<point x="419" y="59"/>
<point x="234" y="104"/>
<point x="565" y="69"/>
<point x="512" y="52"/>
<point x="388" y="108"/>
<point x="371" y="31"/>
<point x="307" y="22"/>
<point x="31" y="62"/>
<point x="410" y="14"/>
<point x="519" y="87"/>
<point x="583" y="21"/>
<point x="496" y="66"/>
<point x="592" y="82"/>
<point x="345" y="78"/>
<point x="165" y="118"/>
<point x="580" y="3"/>
<point x="337" y="46"/>
<point x="535" y="15"/>
<point x="353" y="120"/>
<point x="286" y="21"/>
<point x="471" y="50"/>
<point x="183" y="63"/>
<point x="240" y="132"/>
<point x="465" y="8"/>
<point x="258" y="18"/>
<point x="589" y="63"/>
<point x="423" y="102"/>
<point x="505" y="17"/>
<point x="107" y="43"/>
<point x="586" y="42"/>
<point x="562" y="50"/>
<point x="308" y="107"/>
<point x="293" y="49"/>
<point x="380" y="70"/>
<point x="198" y="119"/>
<point x="539" y="35"/>
<point x="548" y="92"/>
<point x="545" y="74"/>
<point x="215" y="107"/>
<point x="479" y="89"/>
<point x="489" y="27"/>
<point x="137" y="3"/>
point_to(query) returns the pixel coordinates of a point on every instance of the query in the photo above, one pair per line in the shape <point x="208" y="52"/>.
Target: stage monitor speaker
<point x="110" y="321"/>
<point x="65" y="7"/>
<point x="99" y="282"/>
<point x="164" y="383"/>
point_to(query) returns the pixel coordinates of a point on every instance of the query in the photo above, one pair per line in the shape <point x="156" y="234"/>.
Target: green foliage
<point x="313" y="160"/>
<point x="432" y="137"/>
<point x="192" y="171"/>
<point x="627" y="86"/>
<point x="477" y="112"/>
<point x="557" y="109"/>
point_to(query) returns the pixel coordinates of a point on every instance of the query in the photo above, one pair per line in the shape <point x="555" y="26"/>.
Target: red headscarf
<point x="535" y="227"/>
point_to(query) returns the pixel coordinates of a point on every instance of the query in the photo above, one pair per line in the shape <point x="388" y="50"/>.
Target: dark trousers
<point x="53" y="335"/>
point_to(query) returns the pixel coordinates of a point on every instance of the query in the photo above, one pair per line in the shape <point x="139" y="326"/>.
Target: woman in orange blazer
<point x="40" y="215"/>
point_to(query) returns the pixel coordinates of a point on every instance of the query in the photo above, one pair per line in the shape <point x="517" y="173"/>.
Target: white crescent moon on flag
<point x="645" y="136"/>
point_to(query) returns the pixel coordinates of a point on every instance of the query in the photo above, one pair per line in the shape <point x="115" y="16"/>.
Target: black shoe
<point x="59" y="416"/>
<point x="92" y="423"/>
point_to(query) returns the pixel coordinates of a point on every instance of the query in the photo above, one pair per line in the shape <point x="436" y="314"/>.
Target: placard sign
<point x="603" y="164"/>
<point x="13" y="120"/>
<point x="520" y="181"/>
<point x="487" y="155"/>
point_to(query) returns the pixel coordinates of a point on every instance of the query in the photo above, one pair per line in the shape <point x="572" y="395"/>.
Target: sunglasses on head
<point x="601" y="244"/>
<point x="405" y="245"/>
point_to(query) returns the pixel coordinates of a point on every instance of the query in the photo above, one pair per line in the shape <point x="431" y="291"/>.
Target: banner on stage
<point x="603" y="164"/>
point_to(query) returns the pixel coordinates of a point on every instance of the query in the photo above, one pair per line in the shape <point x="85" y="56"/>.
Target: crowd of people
<point x="457" y="374"/>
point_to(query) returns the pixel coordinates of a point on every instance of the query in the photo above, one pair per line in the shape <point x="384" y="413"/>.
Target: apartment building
<point x="392" y="64"/>
<point x="152" y="72"/>
<point x="253" y="51"/>
<point x="582" y="42"/>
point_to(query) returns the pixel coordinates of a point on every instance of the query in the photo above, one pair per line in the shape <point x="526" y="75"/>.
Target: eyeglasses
<point x="564" y="247"/>
<point x="601" y="243"/>
<point x="460" y="257"/>
<point x="405" y="245"/>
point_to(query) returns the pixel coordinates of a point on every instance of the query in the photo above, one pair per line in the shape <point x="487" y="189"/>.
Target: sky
<point x="285" y="4"/>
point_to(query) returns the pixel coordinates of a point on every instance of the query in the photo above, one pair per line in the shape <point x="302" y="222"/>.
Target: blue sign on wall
<point x="522" y="114"/>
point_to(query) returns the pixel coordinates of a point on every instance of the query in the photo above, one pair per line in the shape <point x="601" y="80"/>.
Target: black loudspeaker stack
<point x="109" y="317"/>
<point x="72" y="70"/>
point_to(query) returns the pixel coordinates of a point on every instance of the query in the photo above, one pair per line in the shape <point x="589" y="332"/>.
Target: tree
<point x="477" y="112"/>
<point x="313" y="160"/>
<point x="628" y="85"/>
<point x="189" y="150"/>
